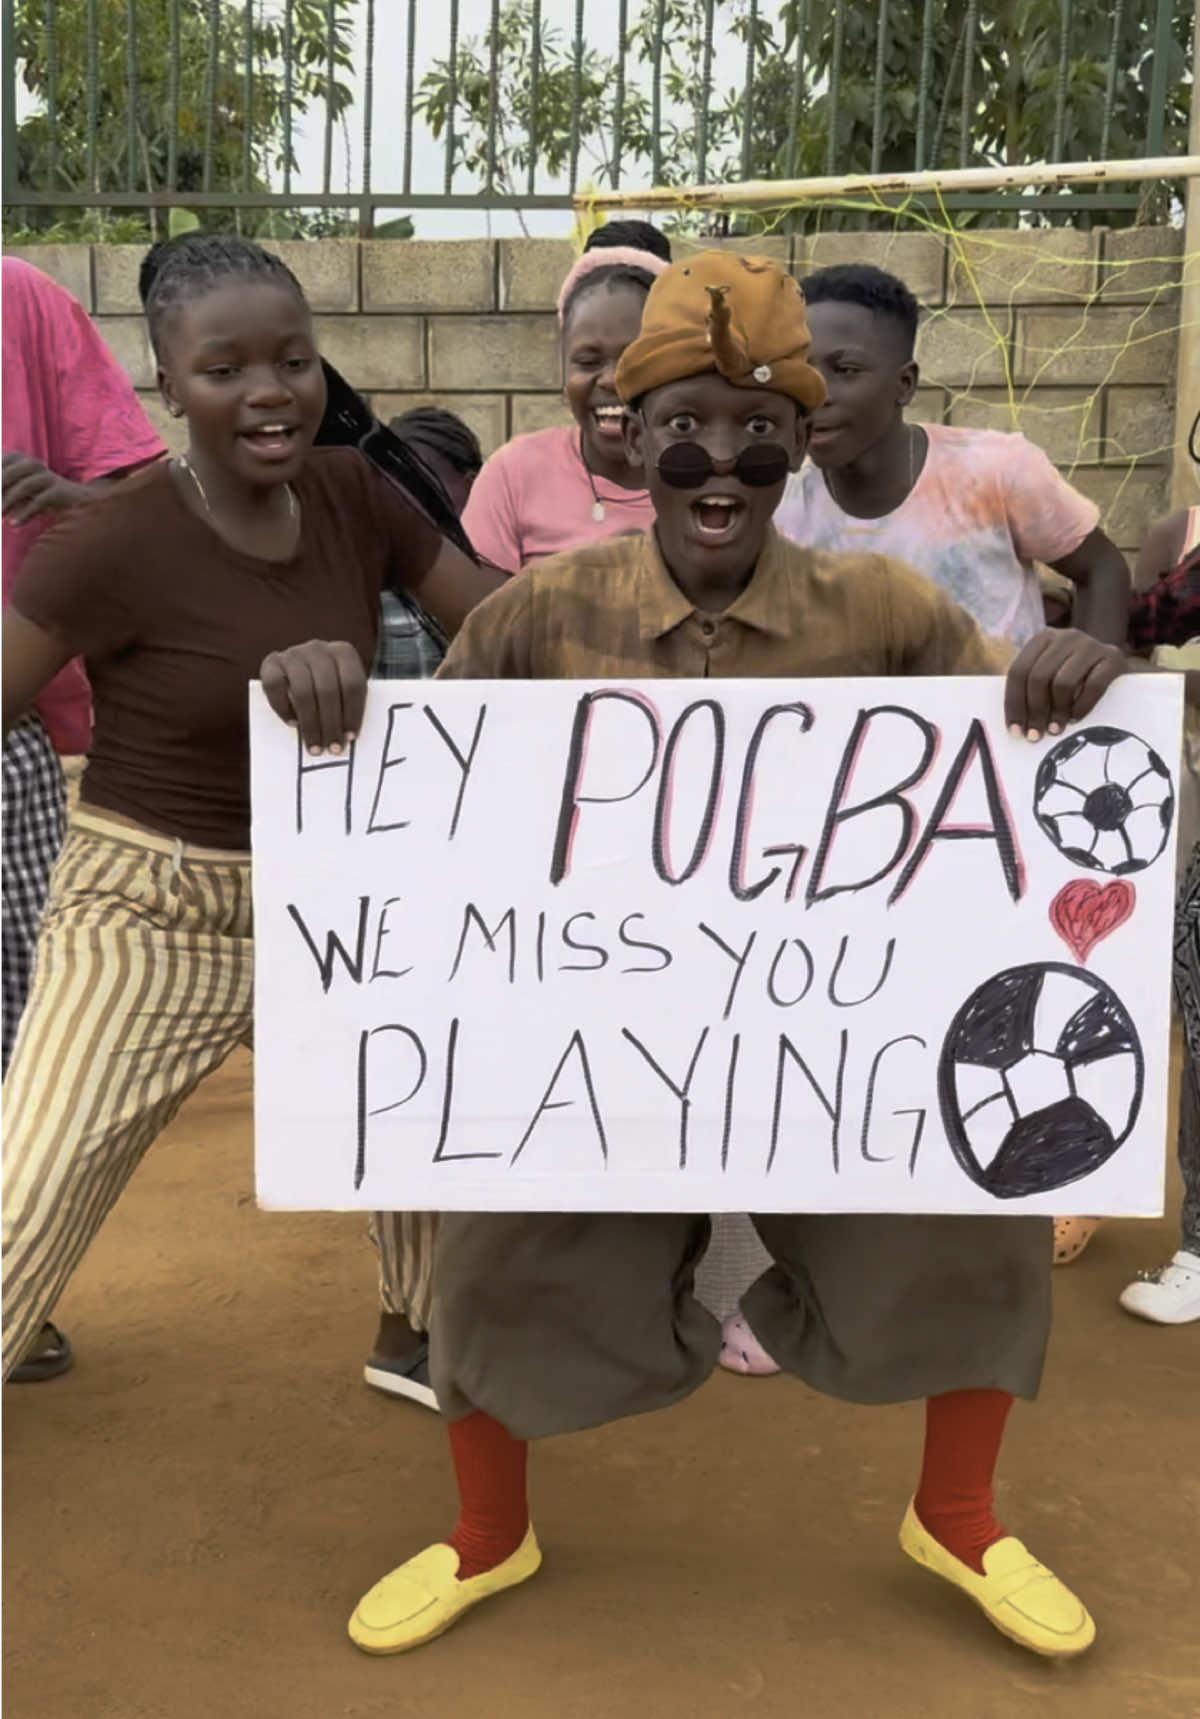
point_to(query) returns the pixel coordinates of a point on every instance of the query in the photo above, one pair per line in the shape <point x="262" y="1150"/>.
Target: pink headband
<point x="607" y="257"/>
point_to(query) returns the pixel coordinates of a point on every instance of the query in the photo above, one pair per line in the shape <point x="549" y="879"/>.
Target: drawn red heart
<point x="1083" y="912"/>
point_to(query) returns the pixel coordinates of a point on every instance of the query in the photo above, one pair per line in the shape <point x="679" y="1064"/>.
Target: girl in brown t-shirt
<point x="174" y="590"/>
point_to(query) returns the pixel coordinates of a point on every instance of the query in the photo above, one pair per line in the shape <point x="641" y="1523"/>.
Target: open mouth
<point x="272" y="441"/>
<point x="607" y="420"/>
<point x="717" y="516"/>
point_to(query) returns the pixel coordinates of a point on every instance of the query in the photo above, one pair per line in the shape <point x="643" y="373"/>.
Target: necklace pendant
<point x="598" y="512"/>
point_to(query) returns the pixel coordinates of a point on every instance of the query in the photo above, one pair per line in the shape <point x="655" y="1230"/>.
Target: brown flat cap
<point x="740" y="316"/>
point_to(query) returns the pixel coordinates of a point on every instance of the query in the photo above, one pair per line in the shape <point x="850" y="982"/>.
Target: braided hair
<point x="630" y="235"/>
<point x="192" y="263"/>
<point x="435" y="429"/>
<point x="350" y="423"/>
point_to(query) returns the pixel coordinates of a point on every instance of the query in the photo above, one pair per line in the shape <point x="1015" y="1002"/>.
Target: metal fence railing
<point x="350" y="107"/>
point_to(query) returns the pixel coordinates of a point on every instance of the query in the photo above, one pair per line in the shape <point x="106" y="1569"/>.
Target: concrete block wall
<point x="1071" y="337"/>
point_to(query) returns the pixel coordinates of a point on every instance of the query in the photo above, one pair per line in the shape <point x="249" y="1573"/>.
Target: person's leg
<point x="734" y="1259"/>
<point x="493" y="1546"/>
<point x="954" y="1497"/>
<point x="399" y="1360"/>
<point x="33" y="822"/>
<point x="1189" y="1147"/>
<point x="541" y="1324"/>
<point x="143" y="985"/>
<point x="491" y="1469"/>
<point x="1171" y="1295"/>
<point x="956" y="1310"/>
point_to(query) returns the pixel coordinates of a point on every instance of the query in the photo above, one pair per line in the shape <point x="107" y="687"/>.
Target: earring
<point x="175" y="411"/>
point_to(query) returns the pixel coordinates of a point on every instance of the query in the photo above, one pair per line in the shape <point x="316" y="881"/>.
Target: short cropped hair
<point x="874" y="289"/>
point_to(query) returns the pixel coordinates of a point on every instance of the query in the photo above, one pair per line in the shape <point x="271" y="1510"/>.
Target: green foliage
<point x="549" y="105"/>
<point x="523" y="130"/>
<point x="63" y="160"/>
<point x="1013" y="81"/>
<point x="1013" y="92"/>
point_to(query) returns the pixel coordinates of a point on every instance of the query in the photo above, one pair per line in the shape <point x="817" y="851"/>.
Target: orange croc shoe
<point x="1071" y="1236"/>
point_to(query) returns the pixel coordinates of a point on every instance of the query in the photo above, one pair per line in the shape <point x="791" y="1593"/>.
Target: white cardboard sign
<point x="702" y="945"/>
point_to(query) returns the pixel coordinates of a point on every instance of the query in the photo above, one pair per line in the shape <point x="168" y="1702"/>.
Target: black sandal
<point x="51" y="1355"/>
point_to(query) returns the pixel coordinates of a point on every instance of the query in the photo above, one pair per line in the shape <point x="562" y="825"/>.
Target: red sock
<point x="963" y="1430"/>
<point x="493" y="1508"/>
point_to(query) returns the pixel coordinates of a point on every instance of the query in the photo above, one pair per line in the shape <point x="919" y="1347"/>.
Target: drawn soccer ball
<point x="1040" y="1079"/>
<point x="1105" y="800"/>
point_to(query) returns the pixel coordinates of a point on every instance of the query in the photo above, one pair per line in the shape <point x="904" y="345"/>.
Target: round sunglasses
<point x="688" y="465"/>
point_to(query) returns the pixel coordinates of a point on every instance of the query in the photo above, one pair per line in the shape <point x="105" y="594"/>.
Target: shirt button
<point x="708" y="628"/>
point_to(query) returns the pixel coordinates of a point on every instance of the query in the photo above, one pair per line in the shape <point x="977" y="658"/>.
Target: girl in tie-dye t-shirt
<point x="985" y="506"/>
<point x="971" y="509"/>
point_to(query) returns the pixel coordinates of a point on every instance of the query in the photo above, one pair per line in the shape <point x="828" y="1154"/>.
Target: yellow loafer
<point x="421" y="1599"/>
<point x="1024" y="1599"/>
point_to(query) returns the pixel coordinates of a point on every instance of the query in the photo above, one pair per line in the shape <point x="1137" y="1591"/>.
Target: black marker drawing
<point x="1105" y="800"/>
<point x="917" y="1111"/>
<point x="1040" y="1079"/>
<point x="660" y="842"/>
<point x="306" y="766"/>
<point x="739" y="888"/>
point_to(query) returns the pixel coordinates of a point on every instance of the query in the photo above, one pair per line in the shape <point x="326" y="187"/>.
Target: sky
<point x="433" y="32"/>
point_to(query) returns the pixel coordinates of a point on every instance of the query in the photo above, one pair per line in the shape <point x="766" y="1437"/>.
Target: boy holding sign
<point x="533" y="1313"/>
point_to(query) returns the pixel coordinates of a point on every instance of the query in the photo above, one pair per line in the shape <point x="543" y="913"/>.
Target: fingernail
<point x="1055" y="728"/>
<point x="335" y="746"/>
<point x="1015" y="729"/>
<point x="315" y="751"/>
<point x="1034" y="734"/>
<point x="351" y="737"/>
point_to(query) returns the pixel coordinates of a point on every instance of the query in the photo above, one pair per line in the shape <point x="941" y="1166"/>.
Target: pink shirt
<point x="68" y="403"/>
<point x="985" y="507"/>
<point x="533" y="498"/>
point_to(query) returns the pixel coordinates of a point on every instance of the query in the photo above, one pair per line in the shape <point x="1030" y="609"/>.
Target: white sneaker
<point x="1169" y="1296"/>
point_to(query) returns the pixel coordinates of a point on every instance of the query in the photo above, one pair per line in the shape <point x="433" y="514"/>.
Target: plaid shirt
<point x="1169" y="612"/>
<point x="610" y="609"/>
<point x="411" y="644"/>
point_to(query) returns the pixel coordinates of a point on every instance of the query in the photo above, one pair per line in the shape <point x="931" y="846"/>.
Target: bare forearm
<point x="1102" y="604"/>
<point x="1100" y="575"/>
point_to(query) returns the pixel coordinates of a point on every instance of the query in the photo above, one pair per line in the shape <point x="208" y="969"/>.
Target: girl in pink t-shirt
<point x="557" y="488"/>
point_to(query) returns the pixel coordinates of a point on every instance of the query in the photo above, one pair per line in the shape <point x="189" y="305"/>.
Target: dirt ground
<point x="192" y="1513"/>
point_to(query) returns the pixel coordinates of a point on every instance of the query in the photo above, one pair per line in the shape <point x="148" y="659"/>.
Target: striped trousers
<point x="405" y="1242"/>
<point x="142" y="986"/>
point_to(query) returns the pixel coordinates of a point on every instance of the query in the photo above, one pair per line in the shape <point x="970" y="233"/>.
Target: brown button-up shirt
<point x="610" y="610"/>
